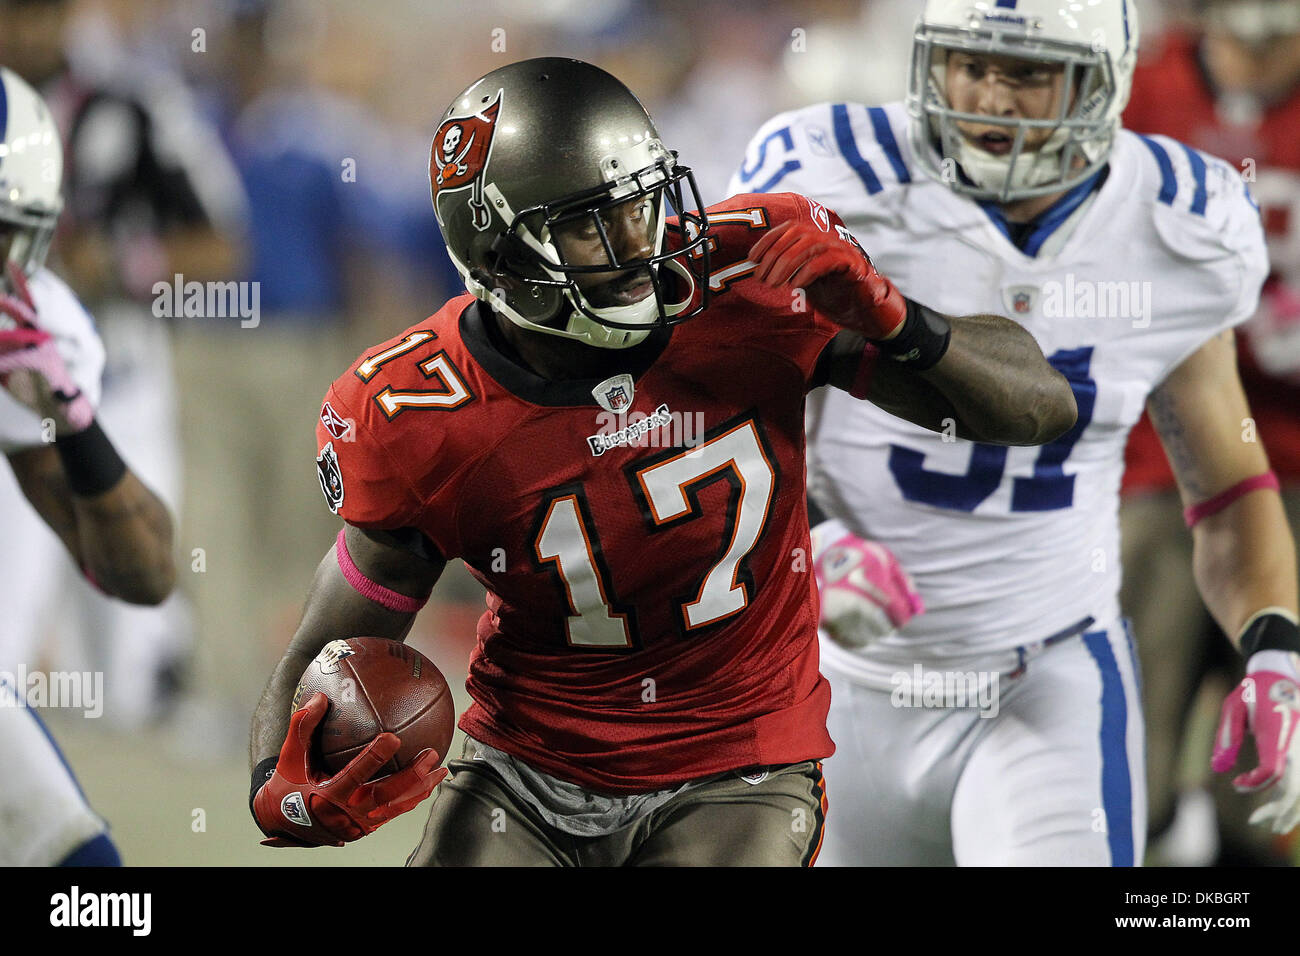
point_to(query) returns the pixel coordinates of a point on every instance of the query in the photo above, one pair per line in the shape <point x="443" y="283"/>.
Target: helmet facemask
<point x="1083" y="129"/>
<point x="25" y="236"/>
<point x="530" y="258"/>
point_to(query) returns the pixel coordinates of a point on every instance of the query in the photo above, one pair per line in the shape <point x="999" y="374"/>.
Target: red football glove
<point x="840" y="280"/>
<point x="302" y="806"/>
<point x="31" y="367"/>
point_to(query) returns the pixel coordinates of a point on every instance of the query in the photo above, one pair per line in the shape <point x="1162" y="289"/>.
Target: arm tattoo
<point x="1164" y="416"/>
<point x="1163" y="407"/>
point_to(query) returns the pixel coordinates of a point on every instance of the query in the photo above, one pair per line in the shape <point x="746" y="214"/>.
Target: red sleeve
<point x="359" y="477"/>
<point x="791" y="325"/>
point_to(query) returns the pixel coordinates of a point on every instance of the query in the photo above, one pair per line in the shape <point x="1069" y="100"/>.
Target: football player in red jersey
<point x="1231" y="87"/>
<point x="627" y="485"/>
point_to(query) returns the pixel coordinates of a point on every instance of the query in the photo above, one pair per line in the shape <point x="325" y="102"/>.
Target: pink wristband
<point x="1220" y="501"/>
<point x="384" y="597"/>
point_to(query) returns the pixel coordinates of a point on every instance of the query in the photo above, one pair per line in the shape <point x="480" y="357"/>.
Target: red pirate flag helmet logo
<point x="459" y="154"/>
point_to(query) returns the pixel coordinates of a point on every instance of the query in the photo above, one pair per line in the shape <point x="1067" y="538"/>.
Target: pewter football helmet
<point x="546" y="142"/>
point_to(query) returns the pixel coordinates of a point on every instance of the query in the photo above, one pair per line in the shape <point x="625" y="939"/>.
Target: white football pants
<point x="1053" y="775"/>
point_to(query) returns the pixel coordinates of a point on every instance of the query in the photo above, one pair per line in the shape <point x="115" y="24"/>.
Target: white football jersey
<point x="1008" y="546"/>
<point x="62" y="315"/>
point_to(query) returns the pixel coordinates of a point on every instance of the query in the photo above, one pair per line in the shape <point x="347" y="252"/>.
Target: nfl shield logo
<point x="615" y="394"/>
<point x="1020" y="299"/>
<point x="295" y="808"/>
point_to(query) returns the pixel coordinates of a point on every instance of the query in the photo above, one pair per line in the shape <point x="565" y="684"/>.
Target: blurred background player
<point x="1225" y="80"/>
<point x="1005" y="180"/>
<point x="118" y="533"/>
<point x="148" y="195"/>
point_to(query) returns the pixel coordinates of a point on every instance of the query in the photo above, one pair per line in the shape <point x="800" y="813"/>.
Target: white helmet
<point x="1096" y="40"/>
<point x="31" y="173"/>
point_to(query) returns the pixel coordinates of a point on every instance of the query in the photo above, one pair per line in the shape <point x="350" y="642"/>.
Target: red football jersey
<point x="651" y="612"/>
<point x="1172" y="96"/>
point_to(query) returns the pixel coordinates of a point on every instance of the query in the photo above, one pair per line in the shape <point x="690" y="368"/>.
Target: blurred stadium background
<point x="292" y="139"/>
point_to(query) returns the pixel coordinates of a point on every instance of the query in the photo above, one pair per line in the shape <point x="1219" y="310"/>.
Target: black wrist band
<point x="90" y="461"/>
<point x="261" y="773"/>
<point x="1270" y="632"/>
<point x="922" y="341"/>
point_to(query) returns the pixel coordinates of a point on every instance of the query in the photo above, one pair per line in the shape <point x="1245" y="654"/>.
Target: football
<point x="377" y="685"/>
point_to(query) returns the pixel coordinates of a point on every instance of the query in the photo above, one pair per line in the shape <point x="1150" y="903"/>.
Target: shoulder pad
<point x="1201" y="205"/>
<point x="831" y="150"/>
<point x="370" y="424"/>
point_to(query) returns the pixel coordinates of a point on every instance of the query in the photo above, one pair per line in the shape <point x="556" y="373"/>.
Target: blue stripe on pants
<point x="97" y="851"/>
<point x="1116" y="785"/>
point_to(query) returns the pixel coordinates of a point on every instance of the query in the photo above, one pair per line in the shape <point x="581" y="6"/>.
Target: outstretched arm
<point x="991" y="385"/>
<point x="1244" y="561"/>
<point x="981" y="375"/>
<point x="118" y="532"/>
<point x="1244" y="556"/>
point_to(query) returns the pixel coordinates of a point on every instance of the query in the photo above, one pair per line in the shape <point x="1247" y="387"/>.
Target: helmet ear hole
<point x="510" y="252"/>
